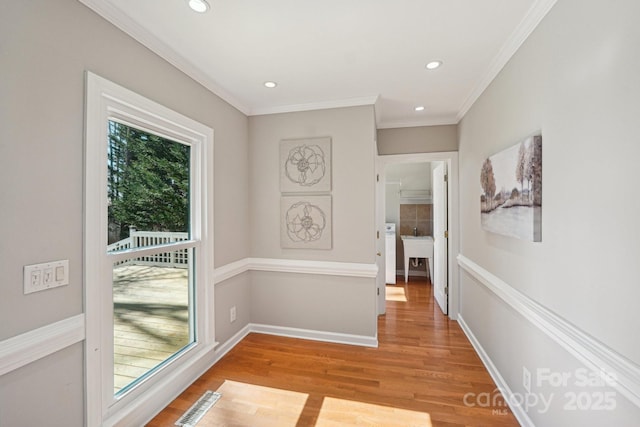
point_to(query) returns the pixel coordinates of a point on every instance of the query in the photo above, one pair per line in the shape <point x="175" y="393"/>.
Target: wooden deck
<point x="150" y="319"/>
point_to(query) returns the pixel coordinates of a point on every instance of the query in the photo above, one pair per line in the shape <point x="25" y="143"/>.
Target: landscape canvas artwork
<point x="305" y="165"/>
<point x="511" y="191"/>
<point x="305" y="222"/>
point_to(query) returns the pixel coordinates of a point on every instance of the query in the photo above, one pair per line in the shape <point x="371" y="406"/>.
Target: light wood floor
<point x="419" y="375"/>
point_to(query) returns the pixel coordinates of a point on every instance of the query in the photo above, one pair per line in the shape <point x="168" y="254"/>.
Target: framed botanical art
<point x="305" y="222"/>
<point x="305" y="165"/>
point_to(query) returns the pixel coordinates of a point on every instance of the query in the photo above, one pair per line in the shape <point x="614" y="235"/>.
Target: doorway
<point x="445" y="273"/>
<point x="408" y="211"/>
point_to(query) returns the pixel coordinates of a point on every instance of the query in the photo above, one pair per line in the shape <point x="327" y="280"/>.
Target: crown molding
<point x="427" y="121"/>
<point x="118" y="18"/>
<point x="323" y="105"/>
<point x="524" y="29"/>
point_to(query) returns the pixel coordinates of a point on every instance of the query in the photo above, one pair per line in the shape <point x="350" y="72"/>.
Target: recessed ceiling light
<point x="433" y="65"/>
<point x="419" y="108"/>
<point x="270" y="85"/>
<point x="200" y="6"/>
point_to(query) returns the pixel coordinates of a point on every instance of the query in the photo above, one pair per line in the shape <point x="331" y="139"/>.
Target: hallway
<point x="423" y="373"/>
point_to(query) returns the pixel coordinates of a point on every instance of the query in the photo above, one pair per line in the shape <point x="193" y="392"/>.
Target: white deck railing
<point x="137" y="239"/>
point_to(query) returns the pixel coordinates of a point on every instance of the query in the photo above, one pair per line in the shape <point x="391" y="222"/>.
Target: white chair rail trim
<point x="28" y="347"/>
<point x="230" y="270"/>
<point x="592" y="353"/>
<point x="330" y="268"/>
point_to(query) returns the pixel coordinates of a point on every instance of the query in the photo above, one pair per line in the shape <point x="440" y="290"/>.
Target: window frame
<point x="106" y="101"/>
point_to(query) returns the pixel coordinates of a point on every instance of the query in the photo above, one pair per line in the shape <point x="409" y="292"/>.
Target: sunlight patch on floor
<point x="340" y="412"/>
<point x="243" y="404"/>
<point x="249" y="405"/>
<point x="395" y="293"/>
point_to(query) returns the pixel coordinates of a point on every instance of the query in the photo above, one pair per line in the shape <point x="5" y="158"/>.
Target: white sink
<point x="417" y="247"/>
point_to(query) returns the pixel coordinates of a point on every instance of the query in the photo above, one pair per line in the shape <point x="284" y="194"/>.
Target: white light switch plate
<point x="38" y="277"/>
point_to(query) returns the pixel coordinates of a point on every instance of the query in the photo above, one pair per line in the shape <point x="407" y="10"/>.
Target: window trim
<point x="105" y="101"/>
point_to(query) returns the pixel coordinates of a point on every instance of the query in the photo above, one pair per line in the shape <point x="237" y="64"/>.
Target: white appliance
<point x="390" y="256"/>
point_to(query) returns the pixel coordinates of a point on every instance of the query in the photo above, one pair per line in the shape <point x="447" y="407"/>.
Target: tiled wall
<point x="418" y="216"/>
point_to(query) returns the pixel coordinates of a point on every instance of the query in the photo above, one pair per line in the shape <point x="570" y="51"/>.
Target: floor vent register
<point x="197" y="411"/>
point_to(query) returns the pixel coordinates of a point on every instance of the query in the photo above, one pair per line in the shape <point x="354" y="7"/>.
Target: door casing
<point x="451" y="159"/>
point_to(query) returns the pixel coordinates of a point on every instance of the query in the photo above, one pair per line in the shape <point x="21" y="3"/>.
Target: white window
<point x="148" y="251"/>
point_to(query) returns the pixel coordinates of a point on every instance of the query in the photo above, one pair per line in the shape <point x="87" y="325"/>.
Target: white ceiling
<point x="336" y="52"/>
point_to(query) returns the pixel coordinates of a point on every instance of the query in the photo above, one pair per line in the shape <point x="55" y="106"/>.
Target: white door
<point x="380" y="245"/>
<point x="440" y="236"/>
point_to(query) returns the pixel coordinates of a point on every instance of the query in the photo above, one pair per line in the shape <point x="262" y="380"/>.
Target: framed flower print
<point x="305" y="222"/>
<point x="305" y="165"/>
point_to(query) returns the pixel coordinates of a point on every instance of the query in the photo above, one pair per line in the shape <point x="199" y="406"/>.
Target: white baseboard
<point x="334" y="337"/>
<point x="232" y="342"/>
<point x="520" y="414"/>
<point x="586" y="349"/>
<point x="307" y="334"/>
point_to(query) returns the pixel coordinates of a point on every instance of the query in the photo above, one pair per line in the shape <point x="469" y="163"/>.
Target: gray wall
<point x="576" y="79"/>
<point x="353" y="153"/>
<point x="421" y="139"/>
<point x="45" y="49"/>
<point x="344" y="305"/>
<point x="233" y="292"/>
